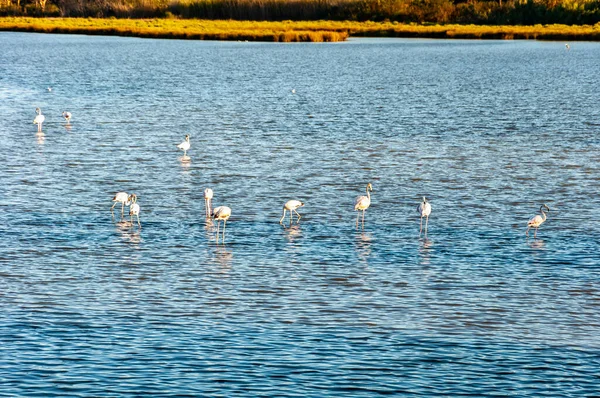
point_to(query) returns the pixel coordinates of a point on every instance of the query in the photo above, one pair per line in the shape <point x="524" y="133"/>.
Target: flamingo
<point x="39" y="119"/>
<point x="134" y="209"/>
<point x="363" y="203"/>
<point x="538" y="220"/>
<point x="208" y="195"/>
<point x="124" y="199"/>
<point x="185" y="146"/>
<point x="424" y="210"/>
<point x="291" y="205"/>
<point x="67" y="116"/>
<point x="221" y="213"/>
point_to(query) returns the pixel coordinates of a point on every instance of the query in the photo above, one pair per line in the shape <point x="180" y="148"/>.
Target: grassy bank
<point x="288" y="31"/>
<point x="176" y="29"/>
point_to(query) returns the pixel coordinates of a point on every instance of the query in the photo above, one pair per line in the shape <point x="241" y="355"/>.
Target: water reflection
<point x="223" y="257"/>
<point x="292" y="233"/>
<point x="185" y="161"/>
<point x="128" y="234"/>
<point x="425" y="250"/>
<point x="363" y="245"/>
<point x="40" y="137"/>
<point x="536" y="244"/>
<point x="209" y="229"/>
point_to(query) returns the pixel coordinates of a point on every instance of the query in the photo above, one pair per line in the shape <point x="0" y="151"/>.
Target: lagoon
<point x="488" y="131"/>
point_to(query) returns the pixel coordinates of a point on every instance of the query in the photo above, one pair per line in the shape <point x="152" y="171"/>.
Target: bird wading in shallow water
<point x="39" y="119"/>
<point x="363" y="203"/>
<point x="291" y="205"/>
<point x="538" y="220"/>
<point x="424" y="210"/>
<point x="208" y="195"/>
<point x="124" y="199"/>
<point x="67" y="116"/>
<point x="134" y="209"/>
<point x="185" y="146"/>
<point x="221" y="213"/>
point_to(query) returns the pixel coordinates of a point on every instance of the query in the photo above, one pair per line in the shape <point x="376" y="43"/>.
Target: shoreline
<point x="291" y="31"/>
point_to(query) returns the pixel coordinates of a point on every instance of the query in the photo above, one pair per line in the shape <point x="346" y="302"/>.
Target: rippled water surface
<point x="487" y="130"/>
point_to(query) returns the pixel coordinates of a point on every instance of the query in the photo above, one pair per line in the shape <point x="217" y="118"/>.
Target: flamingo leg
<point x="282" y="217"/>
<point x="224" y="225"/>
<point x="357" y="216"/>
<point x="218" y="224"/>
<point x="535" y="233"/>
<point x="122" y="209"/>
<point x="426" y="222"/>
<point x="421" y="226"/>
<point x="138" y="218"/>
<point x="363" y="219"/>
<point x="291" y="219"/>
<point x="299" y="216"/>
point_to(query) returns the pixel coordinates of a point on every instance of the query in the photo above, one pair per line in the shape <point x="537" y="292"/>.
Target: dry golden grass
<point x="288" y="31"/>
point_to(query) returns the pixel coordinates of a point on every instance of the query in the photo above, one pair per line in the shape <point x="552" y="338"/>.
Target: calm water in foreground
<point x="486" y="130"/>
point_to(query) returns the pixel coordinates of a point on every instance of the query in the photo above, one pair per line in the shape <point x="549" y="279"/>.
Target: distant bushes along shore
<point x="499" y="12"/>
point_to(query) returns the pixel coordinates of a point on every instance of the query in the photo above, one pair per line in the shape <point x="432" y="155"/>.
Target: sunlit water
<point x="488" y="131"/>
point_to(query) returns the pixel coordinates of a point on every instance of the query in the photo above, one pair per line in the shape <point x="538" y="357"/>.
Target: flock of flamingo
<point x="222" y="213"/>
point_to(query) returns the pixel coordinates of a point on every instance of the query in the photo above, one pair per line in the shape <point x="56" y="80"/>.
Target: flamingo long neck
<point x="543" y="214"/>
<point x="368" y="194"/>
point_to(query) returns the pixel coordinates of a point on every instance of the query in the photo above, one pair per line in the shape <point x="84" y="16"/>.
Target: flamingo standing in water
<point x="39" y="119"/>
<point x="124" y="199"/>
<point x="185" y="146"/>
<point x="221" y="213"/>
<point x="291" y="205"/>
<point x="424" y="210"/>
<point x="536" y="221"/>
<point x="134" y="209"/>
<point x="208" y="195"/>
<point x="363" y="203"/>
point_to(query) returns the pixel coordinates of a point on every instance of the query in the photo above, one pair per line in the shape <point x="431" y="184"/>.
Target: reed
<point x="176" y="29"/>
<point x="288" y="31"/>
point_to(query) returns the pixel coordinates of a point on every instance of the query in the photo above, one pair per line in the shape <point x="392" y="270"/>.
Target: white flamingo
<point x="208" y="195"/>
<point x="67" y="116"/>
<point x="221" y="213"/>
<point x="538" y="220"/>
<point x="124" y="199"/>
<point x="134" y="209"/>
<point x="424" y="210"/>
<point x="185" y="146"/>
<point x="363" y="203"/>
<point x="291" y="205"/>
<point x="39" y="119"/>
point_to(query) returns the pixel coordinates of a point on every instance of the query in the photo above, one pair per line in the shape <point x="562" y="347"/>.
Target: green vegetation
<point x="289" y="31"/>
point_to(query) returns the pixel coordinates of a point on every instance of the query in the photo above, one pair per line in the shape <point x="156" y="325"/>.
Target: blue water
<point x="487" y="130"/>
